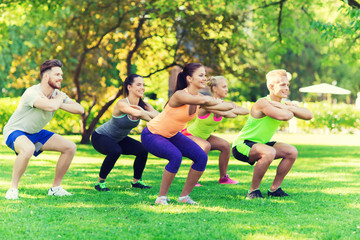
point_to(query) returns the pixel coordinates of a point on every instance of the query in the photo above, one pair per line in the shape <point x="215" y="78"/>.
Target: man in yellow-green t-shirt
<point x="252" y="145"/>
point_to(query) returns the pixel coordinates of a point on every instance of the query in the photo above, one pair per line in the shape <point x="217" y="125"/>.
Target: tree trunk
<point x="85" y="135"/>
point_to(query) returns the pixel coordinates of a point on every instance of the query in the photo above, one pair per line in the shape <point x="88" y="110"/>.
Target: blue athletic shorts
<point x="39" y="139"/>
<point x="244" y="158"/>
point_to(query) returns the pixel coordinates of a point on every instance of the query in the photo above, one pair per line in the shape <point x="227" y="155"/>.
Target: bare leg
<point x="135" y="180"/>
<point x="166" y="181"/>
<point x="204" y="144"/>
<point x="264" y="155"/>
<point x="224" y="147"/>
<point x="25" y="149"/>
<point x="67" y="149"/>
<point x="191" y="180"/>
<point x="99" y="179"/>
<point x="289" y="155"/>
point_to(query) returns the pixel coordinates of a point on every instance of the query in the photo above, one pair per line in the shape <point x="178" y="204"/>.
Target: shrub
<point x="330" y="118"/>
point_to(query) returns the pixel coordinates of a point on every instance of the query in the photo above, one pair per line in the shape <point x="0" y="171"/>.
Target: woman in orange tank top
<point x="162" y="138"/>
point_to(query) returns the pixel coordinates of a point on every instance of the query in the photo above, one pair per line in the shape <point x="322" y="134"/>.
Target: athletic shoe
<point x="227" y="180"/>
<point x="277" y="193"/>
<point x="58" y="191"/>
<point x="140" y="184"/>
<point x="187" y="200"/>
<point x="198" y="185"/>
<point x="254" y="194"/>
<point x="101" y="186"/>
<point x="12" y="194"/>
<point x="162" y="200"/>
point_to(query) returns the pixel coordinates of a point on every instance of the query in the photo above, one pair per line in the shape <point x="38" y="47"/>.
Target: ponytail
<point x="188" y="70"/>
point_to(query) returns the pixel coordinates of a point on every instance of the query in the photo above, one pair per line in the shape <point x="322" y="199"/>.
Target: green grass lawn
<point x="324" y="204"/>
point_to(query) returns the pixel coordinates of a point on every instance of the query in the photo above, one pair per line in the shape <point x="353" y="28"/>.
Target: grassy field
<point x="324" y="204"/>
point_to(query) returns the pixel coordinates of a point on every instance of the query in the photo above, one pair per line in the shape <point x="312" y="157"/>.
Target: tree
<point x="102" y="42"/>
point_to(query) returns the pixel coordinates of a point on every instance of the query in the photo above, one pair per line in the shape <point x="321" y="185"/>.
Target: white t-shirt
<point x="26" y="117"/>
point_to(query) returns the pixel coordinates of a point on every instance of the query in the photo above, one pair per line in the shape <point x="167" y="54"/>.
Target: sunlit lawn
<point x="324" y="204"/>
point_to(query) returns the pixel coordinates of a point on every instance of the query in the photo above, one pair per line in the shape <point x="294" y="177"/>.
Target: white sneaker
<point x="187" y="199"/>
<point x="58" y="191"/>
<point x="162" y="200"/>
<point x="12" y="193"/>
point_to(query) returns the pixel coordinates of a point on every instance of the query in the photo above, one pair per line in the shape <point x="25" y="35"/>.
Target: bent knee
<point x="70" y="148"/>
<point x="268" y="155"/>
<point x="225" y="146"/>
<point x="174" y="164"/>
<point x="200" y="162"/>
<point x="292" y="152"/>
<point x="207" y="147"/>
<point x="26" y="151"/>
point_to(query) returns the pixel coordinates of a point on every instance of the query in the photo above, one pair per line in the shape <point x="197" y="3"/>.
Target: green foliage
<point x="332" y="118"/>
<point x="328" y="118"/>
<point x="101" y="42"/>
<point x="7" y="107"/>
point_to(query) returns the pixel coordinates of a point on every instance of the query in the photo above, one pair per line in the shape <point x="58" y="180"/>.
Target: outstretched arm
<point x="182" y="97"/>
<point x="299" y="112"/>
<point x="263" y="107"/>
<point x="151" y="110"/>
<point x="221" y="106"/>
<point x="50" y="105"/>
<point x="133" y="110"/>
<point x="233" y="112"/>
<point x="238" y="110"/>
<point x="72" y="107"/>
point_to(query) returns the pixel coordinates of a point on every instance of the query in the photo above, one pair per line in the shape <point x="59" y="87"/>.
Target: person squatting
<point x="166" y="134"/>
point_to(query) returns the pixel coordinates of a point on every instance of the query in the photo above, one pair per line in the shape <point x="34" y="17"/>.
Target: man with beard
<point x="24" y="131"/>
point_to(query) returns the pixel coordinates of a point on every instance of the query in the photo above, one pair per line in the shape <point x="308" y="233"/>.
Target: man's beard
<point x="52" y="84"/>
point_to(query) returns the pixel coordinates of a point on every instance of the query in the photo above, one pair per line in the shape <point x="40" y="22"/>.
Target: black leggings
<point x="112" y="149"/>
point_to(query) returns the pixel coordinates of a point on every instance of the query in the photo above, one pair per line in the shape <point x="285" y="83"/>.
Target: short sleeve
<point x="66" y="100"/>
<point x="30" y="96"/>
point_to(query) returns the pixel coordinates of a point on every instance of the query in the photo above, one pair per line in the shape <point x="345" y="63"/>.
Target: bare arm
<point x="181" y="97"/>
<point x="264" y="108"/>
<point x="72" y="107"/>
<point x="144" y="115"/>
<point x="299" y="112"/>
<point x="50" y="105"/>
<point x="238" y="110"/>
<point x="233" y="112"/>
<point x="221" y="106"/>
<point x="151" y="110"/>
<point x="133" y="110"/>
<point x="229" y="114"/>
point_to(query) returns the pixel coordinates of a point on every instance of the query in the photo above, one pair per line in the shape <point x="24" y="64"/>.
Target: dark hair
<point x="129" y="81"/>
<point x="188" y="70"/>
<point x="48" y="64"/>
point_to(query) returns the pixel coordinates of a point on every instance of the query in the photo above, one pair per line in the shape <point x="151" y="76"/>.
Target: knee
<point x="27" y="151"/>
<point x="201" y="162"/>
<point x="207" y="147"/>
<point x="268" y="155"/>
<point x="142" y="152"/>
<point x="70" y="148"/>
<point x="225" y="146"/>
<point x="115" y="153"/>
<point x="292" y="153"/>
<point x="174" y="164"/>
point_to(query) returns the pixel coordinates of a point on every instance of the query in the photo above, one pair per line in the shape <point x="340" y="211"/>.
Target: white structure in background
<point x="325" y="88"/>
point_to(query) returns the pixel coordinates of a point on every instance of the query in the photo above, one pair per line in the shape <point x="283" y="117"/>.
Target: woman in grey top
<point x="111" y="138"/>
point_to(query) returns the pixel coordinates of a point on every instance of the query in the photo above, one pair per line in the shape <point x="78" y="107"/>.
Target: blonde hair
<point x="213" y="81"/>
<point x="275" y="74"/>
